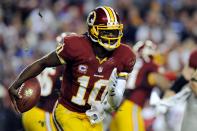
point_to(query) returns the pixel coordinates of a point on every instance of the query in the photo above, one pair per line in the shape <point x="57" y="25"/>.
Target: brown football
<point x="30" y="92"/>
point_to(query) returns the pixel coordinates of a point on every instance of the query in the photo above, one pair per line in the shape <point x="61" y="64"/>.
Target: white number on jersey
<point x="84" y="81"/>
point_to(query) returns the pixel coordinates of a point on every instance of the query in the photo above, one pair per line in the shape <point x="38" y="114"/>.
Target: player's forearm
<point x="176" y="87"/>
<point x="183" y="79"/>
<point x="159" y="80"/>
<point x="162" y="82"/>
<point x="115" y="99"/>
<point x="29" y="72"/>
<point x="36" y="68"/>
<point x="106" y="106"/>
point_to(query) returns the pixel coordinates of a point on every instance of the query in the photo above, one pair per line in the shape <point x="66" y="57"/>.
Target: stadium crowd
<point x="28" y="30"/>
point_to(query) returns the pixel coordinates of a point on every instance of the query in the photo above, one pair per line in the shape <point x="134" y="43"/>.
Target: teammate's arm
<point x="186" y="73"/>
<point x="50" y="60"/>
<point x="158" y="79"/>
<point x="182" y="80"/>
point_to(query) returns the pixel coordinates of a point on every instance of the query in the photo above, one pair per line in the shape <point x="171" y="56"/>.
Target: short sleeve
<point x="63" y="51"/>
<point x="128" y="62"/>
<point x="59" y="51"/>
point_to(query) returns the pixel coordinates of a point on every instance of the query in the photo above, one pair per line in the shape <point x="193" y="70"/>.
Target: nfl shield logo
<point x="100" y="69"/>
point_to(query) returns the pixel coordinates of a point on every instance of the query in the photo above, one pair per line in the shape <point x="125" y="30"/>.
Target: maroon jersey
<point x="49" y="81"/>
<point x="86" y="76"/>
<point x="142" y="89"/>
<point x="193" y="59"/>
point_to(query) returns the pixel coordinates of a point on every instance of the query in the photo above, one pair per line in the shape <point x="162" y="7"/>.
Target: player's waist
<point x="73" y="107"/>
<point x="47" y="103"/>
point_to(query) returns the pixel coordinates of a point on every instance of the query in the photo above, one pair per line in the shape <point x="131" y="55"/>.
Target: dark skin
<point x="50" y="60"/>
<point x="100" y="51"/>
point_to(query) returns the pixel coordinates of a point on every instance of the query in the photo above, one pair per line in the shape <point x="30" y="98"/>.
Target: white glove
<point x="96" y="114"/>
<point x="112" y="88"/>
<point x="112" y="82"/>
<point x="116" y="88"/>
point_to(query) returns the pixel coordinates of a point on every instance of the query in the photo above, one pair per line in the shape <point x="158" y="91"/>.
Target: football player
<point x="188" y="76"/>
<point x="39" y="118"/>
<point x="143" y="78"/>
<point x="96" y="69"/>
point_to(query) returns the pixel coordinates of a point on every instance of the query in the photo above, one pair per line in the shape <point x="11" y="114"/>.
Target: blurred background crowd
<point x="28" y="30"/>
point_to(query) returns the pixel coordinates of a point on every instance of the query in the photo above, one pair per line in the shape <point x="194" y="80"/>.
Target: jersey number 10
<point x="84" y="81"/>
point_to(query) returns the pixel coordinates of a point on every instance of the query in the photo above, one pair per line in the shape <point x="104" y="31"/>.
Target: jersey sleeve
<point x="63" y="51"/>
<point x="145" y="77"/>
<point x="128" y="62"/>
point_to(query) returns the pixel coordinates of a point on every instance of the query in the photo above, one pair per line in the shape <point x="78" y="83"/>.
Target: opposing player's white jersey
<point x="190" y="117"/>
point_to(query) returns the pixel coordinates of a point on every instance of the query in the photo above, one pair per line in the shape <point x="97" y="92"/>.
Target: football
<point x="30" y="92"/>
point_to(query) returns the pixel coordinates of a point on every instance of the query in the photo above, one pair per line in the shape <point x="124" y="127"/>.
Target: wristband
<point x="178" y="84"/>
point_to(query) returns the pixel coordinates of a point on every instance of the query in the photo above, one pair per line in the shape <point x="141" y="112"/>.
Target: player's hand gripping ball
<point x="30" y="92"/>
